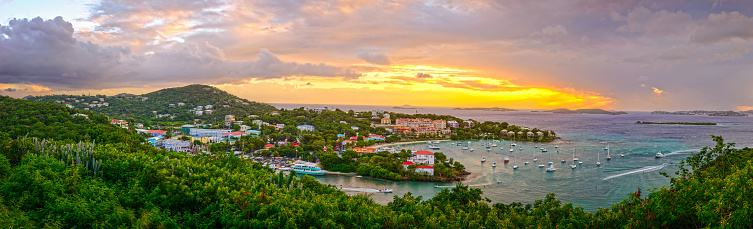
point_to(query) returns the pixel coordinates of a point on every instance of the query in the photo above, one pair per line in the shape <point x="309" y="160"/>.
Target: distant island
<point x="702" y="112"/>
<point x="585" y="111"/>
<point x="679" y="123"/>
<point x="404" y="107"/>
<point x="484" y="109"/>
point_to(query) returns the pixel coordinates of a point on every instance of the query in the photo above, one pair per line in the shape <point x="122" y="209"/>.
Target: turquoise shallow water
<point x="587" y="186"/>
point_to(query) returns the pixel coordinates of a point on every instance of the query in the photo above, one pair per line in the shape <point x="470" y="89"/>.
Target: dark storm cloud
<point x="45" y="52"/>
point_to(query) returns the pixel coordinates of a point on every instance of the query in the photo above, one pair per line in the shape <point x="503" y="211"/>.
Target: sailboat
<point x="540" y="165"/>
<point x="483" y="159"/>
<point x="534" y="156"/>
<point x="608" y="157"/>
<point x="511" y="149"/>
<point x="573" y="166"/>
<point x="494" y="165"/>
<point x="574" y="158"/>
<point x="513" y="144"/>
<point x="515" y="164"/>
<point x="598" y="160"/>
<point x="551" y="166"/>
<point x="507" y="159"/>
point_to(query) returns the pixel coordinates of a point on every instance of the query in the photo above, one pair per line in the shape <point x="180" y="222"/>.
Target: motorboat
<point x="494" y="145"/>
<point x="507" y="160"/>
<point x="659" y="155"/>
<point x="511" y="150"/>
<point x="551" y="169"/>
<point x="494" y="165"/>
<point x="573" y="166"/>
<point x="543" y="150"/>
<point x="385" y="190"/>
<point x="465" y="147"/>
<point x="483" y="159"/>
<point x="513" y="144"/>
<point x="359" y="176"/>
<point x="563" y="161"/>
<point x="471" y="149"/>
<point x="433" y="147"/>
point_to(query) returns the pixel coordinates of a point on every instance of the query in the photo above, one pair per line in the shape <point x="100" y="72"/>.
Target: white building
<point x="306" y="128"/>
<point x="422" y="157"/>
<point x="176" y="145"/>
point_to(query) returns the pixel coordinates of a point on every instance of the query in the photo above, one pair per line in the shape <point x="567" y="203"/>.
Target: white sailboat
<point x="534" y="156"/>
<point x="608" y="157"/>
<point x="515" y="163"/>
<point x="598" y="160"/>
<point x="551" y="166"/>
<point x="574" y="158"/>
<point x="494" y="165"/>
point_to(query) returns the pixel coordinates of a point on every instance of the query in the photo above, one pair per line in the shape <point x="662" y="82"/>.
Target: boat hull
<point x="312" y="173"/>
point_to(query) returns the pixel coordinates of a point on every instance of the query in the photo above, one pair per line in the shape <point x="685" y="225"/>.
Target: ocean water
<point x="588" y="186"/>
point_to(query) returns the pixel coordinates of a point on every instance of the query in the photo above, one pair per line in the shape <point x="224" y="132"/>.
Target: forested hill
<point x="20" y="118"/>
<point x="169" y="104"/>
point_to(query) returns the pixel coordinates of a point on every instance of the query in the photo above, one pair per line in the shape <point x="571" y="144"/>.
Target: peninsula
<point x="702" y="112"/>
<point x="679" y="123"/>
<point x="585" y="111"/>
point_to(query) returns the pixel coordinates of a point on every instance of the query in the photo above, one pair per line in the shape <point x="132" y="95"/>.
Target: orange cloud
<point x="658" y="91"/>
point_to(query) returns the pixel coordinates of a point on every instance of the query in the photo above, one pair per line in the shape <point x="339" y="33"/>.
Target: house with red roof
<point x="267" y="146"/>
<point x="427" y="170"/>
<point x="422" y="157"/>
<point x="408" y="163"/>
<point x="157" y="132"/>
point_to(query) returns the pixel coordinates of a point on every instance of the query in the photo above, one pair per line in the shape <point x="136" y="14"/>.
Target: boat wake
<point x="687" y="151"/>
<point x="473" y="185"/>
<point x="359" y="190"/>
<point x="641" y="170"/>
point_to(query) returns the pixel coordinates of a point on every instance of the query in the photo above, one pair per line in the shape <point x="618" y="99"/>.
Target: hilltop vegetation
<point x="157" y="105"/>
<point x="120" y="184"/>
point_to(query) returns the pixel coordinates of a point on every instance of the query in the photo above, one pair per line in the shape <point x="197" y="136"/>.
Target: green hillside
<point x="117" y="184"/>
<point x="157" y="105"/>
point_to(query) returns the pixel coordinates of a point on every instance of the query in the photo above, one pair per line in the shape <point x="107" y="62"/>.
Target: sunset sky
<point x="616" y="55"/>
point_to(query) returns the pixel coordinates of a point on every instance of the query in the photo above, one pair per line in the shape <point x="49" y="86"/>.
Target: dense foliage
<point x="147" y="107"/>
<point x="114" y="183"/>
<point x="387" y="165"/>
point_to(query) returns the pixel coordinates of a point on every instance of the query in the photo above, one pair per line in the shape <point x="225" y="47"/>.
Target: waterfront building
<point x="427" y="170"/>
<point x="422" y="157"/>
<point x="440" y="124"/>
<point x="453" y="124"/>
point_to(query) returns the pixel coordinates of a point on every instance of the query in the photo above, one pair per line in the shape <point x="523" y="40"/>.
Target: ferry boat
<point x="308" y="169"/>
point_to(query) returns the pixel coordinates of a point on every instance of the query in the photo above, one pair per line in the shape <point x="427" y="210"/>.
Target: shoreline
<point x="400" y="143"/>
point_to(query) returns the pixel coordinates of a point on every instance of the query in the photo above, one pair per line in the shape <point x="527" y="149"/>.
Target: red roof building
<point x="157" y="131"/>
<point x="269" y="146"/>
<point x="409" y="163"/>
<point x="296" y="144"/>
<point x="423" y="152"/>
<point x="425" y="167"/>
